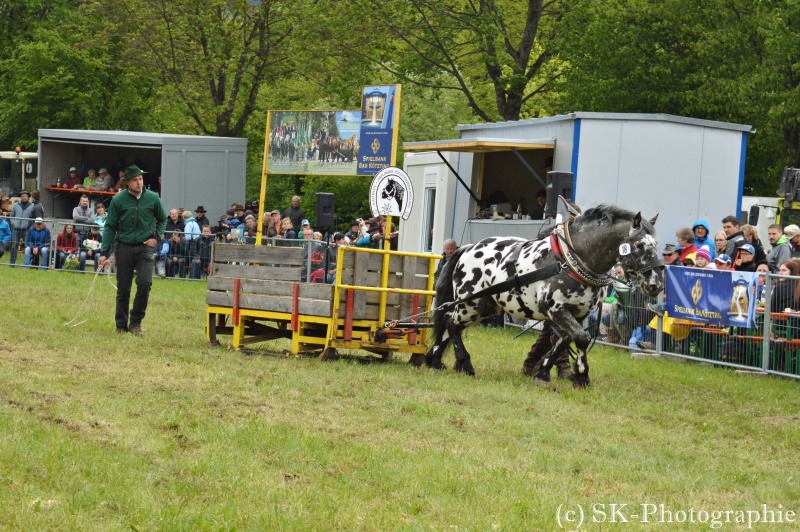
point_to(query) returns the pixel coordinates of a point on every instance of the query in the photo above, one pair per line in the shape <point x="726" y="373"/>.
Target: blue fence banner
<point x="712" y="296"/>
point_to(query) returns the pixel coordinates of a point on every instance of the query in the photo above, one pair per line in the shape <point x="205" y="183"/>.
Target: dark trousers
<point x="140" y="259"/>
<point x="17" y="236"/>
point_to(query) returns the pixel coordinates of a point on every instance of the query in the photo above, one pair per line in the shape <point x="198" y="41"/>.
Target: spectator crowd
<point x="185" y="250"/>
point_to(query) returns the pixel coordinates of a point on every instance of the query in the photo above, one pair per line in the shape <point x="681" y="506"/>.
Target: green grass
<point x="103" y="431"/>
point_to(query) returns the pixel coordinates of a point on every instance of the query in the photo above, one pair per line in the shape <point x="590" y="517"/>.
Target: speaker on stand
<point x="326" y="210"/>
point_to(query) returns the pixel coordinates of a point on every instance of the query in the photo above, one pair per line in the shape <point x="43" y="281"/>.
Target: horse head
<point x="641" y="257"/>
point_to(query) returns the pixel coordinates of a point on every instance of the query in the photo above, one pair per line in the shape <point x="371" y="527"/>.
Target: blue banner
<point x="711" y="296"/>
<point x="378" y="136"/>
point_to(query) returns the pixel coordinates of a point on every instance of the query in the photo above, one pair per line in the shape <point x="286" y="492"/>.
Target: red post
<point x="348" y="315"/>
<point x="295" y="306"/>
<point x="236" y="286"/>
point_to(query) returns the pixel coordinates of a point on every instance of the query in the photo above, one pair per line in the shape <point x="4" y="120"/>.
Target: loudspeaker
<point x="326" y="204"/>
<point x="558" y="184"/>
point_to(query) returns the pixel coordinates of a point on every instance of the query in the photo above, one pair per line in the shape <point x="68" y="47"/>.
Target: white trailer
<point x="197" y="170"/>
<point x="684" y="169"/>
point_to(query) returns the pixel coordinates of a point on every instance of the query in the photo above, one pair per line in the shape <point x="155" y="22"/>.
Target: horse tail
<point x="445" y="293"/>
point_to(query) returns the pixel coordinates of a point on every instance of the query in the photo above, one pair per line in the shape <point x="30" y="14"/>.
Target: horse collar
<point x="578" y="269"/>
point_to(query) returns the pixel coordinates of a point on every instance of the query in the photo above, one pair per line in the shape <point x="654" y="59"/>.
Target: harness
<point x="566" y="261"/>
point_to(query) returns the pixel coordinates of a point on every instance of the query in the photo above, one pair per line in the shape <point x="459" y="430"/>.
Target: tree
<point x="214" y="55"/>
<point x="497" y="53"/>
<point x="59" y="73"/>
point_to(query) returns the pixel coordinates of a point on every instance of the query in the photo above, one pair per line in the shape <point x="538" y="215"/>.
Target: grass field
<point x="109" y="432"/>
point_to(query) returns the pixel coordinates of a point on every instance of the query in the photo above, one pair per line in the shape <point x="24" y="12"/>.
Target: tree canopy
<point x="216" y="66"/>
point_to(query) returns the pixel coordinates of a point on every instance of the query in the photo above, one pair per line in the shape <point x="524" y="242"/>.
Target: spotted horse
<point x="559" y="278"/>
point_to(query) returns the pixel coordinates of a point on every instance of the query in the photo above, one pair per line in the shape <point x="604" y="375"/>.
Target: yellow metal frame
<point x="363" y="329"/>
<point x="363" y="333"/>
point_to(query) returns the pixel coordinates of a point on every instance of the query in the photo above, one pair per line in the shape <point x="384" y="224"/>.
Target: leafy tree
<point x="61" y="74"/>
<point x="497" y="54"/>
<point x="215" y="55"/>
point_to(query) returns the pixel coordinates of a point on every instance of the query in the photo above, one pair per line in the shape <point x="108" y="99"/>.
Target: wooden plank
<point x="422" y="267"/>
<point x="272" y="287"/>
<point x="270" y="273"/>
<point x="307" y="307"/>
<point x="408" y="282"/>
<point x="292" y="256"/>
<point x="376" y="262"/>
<point x="360" y="279"/>
<point x="349" y="259"/>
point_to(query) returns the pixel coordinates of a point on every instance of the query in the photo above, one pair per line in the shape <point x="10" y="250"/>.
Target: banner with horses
<point x="313" y="142"/>
<point x="357" y="142"/>
<point x="711" y="296"/>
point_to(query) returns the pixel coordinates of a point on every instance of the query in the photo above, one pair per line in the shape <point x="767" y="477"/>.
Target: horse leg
<point x="463" y="363"/>
<point x="573" y="332"/>
<point x="433" y="358"/>
<point x="543" y="344"/>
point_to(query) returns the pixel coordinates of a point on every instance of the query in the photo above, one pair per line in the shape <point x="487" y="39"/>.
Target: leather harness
<point x="566" y="261"/>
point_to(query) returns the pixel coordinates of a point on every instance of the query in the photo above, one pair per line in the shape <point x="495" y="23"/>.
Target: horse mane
<point x="611" y="214"/>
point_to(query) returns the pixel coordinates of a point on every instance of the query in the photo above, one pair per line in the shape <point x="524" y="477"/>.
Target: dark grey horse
<point x="578" y="258"/>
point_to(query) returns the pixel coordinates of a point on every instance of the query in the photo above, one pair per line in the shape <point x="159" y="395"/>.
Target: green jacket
<point x="134" y="220"/>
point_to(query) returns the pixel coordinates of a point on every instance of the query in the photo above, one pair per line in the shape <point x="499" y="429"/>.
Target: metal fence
<point x="178" y="255"/>
<point x="773" y="346"/>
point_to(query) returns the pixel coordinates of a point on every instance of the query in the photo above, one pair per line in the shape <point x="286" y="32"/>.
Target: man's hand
<point x="102" y="262"/>
<point x="151" y="242"/>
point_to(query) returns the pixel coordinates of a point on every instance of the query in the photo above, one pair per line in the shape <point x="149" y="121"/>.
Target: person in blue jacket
<point x="37" y="241"/>
<point x="5" y="235"/>
<point x="702" y="237"/>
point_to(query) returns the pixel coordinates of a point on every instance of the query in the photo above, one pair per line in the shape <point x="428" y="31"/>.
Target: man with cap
<point x="723" y="262"/>
<point x="21" y="218"/>
<point x="104" y="180"/>
<point x="200" y="217"/>
<point x="38" y="206"/>
<point x="671" y="256"/>
<point x="355" y="232"/>
<point x="744" y="260"/>
<point x="74" y="180"/>
<point x="373" y="238"/>
<point x="781" y="245"/>
<point x="794" y="240"/>
<point x="37" y="244"/>
<point x="295" y="213"/>
<point x="137" y="219"/>
<point x="273" y="224"/>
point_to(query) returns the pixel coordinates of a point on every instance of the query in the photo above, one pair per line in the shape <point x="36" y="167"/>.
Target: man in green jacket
<point x="137" y="219"/>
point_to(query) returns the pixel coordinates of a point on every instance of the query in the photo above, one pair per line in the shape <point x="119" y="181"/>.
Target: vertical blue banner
<point x="711" y="296"/>
<point x="380" y="106"/>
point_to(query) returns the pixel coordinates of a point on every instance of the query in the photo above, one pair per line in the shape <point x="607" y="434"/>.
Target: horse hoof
<point x="540" y="381"/>
<point x="580" y="385"/>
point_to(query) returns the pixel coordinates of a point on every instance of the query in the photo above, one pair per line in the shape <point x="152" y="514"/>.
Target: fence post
<point x="765" y="346"/>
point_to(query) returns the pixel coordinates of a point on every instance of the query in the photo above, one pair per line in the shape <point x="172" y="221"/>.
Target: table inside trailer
<point x="479" y="229"/>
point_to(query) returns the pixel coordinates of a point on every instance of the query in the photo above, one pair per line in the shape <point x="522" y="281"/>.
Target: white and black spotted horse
<point x="495" y="273"/>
